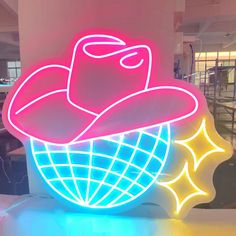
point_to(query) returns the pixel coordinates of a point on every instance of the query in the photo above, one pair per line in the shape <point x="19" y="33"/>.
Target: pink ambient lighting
<point x="104" y="91"/>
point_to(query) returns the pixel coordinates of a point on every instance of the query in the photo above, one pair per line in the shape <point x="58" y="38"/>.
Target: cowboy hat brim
<point x="53" y="119"/>
<point x="151" y="107"/>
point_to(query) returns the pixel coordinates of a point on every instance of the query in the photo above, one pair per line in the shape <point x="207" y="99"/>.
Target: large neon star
<point x="183" y="188"/>
<point x="200" y="145"/>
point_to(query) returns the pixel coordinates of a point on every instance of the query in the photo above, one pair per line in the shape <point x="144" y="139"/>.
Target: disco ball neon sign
<point x="101" y="136"/>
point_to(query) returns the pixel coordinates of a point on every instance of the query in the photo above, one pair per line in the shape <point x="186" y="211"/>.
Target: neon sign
<point x="185" y="177"/>
<point x="101" y="137"/>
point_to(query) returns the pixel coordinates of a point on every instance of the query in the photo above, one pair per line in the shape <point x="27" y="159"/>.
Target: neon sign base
<point x="106" y="172"/>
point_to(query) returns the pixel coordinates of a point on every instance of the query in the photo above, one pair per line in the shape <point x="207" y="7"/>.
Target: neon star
<point x="200" y="145"/>
<point x="183" y="188"/>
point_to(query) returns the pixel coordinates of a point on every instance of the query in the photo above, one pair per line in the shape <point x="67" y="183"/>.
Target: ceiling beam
<point x="204" y="27"/>
<point x="11" y="6"/>
<point x="230" y="42"/>
<point x="203" y="10"/>
<point x="9" y="39"/>
<point x="8" y="28"/>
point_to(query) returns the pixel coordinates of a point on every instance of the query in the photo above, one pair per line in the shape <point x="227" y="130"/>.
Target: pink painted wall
<point x="47" y="27"/>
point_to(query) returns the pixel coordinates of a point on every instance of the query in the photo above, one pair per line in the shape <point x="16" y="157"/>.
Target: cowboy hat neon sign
<point x="100" y="136"/>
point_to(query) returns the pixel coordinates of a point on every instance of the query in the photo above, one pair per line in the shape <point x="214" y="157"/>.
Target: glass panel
<point x="11" y="64"/>
<point x="231" y="72"/>
<point x="196" y="55"/>
<point x="200" y="66"/>
<point x="210" y="64"/>
<point x="226" y="63"/>
<point x="211" y="55"/>
<point x="18" y="72"/>
<point x="223" y="63"/>
<point x="209" y="59"/>
<point x="200" y="72"/>
<point x="200" y="56"/>
<point x="231" y="76"/>
<point x="196" y="66"/>
<point x="18" y="64"/>
<point x="223" y="55"/>
<point x="12" y="73"/>
<point x="233" y="55"/>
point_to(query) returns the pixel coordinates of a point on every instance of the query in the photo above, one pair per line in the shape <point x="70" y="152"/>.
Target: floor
<point x="47" y="217"/>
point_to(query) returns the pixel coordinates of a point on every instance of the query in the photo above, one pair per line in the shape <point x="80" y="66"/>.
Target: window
<point x="223" y="56"/>
<point x="207" y="60"/>
<point x="211" y="56"/>
<point x="233" y="55"/>
<point x="14" y="70"/>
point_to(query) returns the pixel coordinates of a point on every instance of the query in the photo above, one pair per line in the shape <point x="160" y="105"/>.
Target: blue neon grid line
<point x="106" y="172"/>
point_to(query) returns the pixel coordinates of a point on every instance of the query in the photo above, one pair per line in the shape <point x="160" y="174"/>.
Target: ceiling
<point x="210" y="22"/>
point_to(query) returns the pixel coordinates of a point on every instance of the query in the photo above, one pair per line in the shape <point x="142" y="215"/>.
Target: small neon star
<point x="183" y="188"/>
<point x="200" y="145"/>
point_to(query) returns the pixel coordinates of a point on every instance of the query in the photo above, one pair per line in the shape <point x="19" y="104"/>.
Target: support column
<point x="48" y="27"/>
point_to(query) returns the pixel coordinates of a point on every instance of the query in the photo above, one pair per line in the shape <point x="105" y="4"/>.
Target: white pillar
<point x="47" y="27"/>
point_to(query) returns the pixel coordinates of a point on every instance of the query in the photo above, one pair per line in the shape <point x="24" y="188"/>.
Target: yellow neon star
<point x="183" y="188"/>
<point x="200" y="145"/>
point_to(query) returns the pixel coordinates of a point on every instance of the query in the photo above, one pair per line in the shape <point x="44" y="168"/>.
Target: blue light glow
<point x="106" y="172"/>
